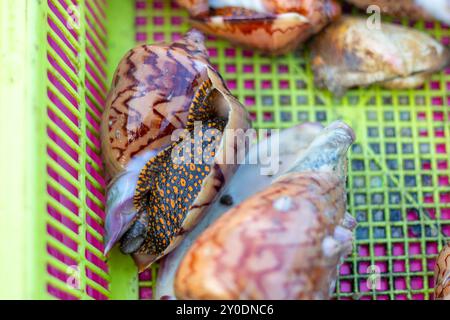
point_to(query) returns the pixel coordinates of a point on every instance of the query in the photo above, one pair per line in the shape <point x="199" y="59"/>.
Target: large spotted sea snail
<point x="153" y="199"/>
<point x="272" y="26"/>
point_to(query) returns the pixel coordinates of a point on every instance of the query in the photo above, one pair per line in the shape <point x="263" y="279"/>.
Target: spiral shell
<point x="151" y="92"/>
<point x="273" y="26"/>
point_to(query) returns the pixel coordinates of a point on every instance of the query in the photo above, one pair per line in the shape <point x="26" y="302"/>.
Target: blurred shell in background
<point x="272" y="26"/>
<point x="351" y="53"/>
<point x="412" y="9"/>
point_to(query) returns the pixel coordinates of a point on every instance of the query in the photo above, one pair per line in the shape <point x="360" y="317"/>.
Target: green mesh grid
<point x="398" y="186"/>
<point x="75" y="93"/>
<point x="58" y="57"/>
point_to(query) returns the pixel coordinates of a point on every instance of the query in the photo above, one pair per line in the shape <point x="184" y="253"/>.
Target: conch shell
<point x="350" y="54"/>
<point x="160" y="90"/>
<point x="286" y="241"/>
<point x="272" y="26"/>
<point x="412" y="9"/>
<point x="442" y="275"/>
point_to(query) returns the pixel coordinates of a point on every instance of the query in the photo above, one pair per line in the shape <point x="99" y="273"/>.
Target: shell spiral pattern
<point x="150" y="97"/>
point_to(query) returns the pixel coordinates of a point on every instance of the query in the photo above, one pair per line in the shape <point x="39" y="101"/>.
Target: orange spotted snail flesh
<point x="284" y="242"/>
<point x="442" y="275"/>
<point x="158" y="192"/>
<point x="272" y="26"/>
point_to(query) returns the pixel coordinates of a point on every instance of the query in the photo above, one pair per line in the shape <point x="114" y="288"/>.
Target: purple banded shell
<point x="149" y="98"/>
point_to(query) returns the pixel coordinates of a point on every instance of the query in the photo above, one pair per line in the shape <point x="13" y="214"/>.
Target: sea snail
<point x="272" y="26"/>
<point x="413" y="9"/>
<point x="158" y="192"/>
<point x="442" y="275"/>
<point x="349" y="54"/>
<point x="284" y="242"/>
<point x="282" y="149"/>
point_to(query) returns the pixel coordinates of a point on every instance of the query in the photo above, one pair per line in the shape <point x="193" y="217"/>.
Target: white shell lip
<point x="289" y="17"/>
<point x="256" y="5"/>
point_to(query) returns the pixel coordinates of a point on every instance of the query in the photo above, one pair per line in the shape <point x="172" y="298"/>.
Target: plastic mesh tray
<point x="398" y="184"/>
<point x="399" y="189"/>
<point x="75" y="96"/>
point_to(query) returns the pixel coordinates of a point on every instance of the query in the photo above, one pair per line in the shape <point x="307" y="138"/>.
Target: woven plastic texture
<point x="76" y="89"/>
<point x="399" y="189"/>
<point x="398" y="182"/>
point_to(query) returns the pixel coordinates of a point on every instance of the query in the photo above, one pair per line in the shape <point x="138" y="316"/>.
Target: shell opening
<point x="169" y="183"/>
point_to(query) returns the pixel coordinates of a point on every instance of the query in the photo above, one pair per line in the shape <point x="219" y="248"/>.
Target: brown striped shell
<point x="273" y="26"/>
<point x="151" y="92"/>
<point x="174" y="87"/>
<point x="286" y="241"/>
<point x="442" y="275"/>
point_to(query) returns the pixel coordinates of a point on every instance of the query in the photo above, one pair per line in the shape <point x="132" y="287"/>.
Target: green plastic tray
<point x="57" y="59"/>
